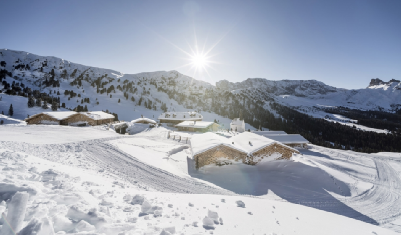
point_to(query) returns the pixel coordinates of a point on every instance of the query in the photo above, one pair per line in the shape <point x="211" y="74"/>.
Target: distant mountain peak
<point x="378" y="81"/>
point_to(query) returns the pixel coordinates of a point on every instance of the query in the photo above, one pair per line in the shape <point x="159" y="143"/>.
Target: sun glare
<point x="199" y="61"/>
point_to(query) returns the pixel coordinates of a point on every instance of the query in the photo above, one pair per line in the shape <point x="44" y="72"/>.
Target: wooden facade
<point x="222" y="155"/>
<point x="104" y="121"/>
<point x="41" y="118"/>
<point x="78" y="118"/>
<point x="218" y="155"/>
<point x="286" y="153"/>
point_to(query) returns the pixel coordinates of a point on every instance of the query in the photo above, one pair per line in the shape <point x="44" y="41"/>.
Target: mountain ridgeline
<point x="278" y="105"/>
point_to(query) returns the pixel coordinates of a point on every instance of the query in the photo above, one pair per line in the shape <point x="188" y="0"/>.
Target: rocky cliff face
<point x="377" y="81"/>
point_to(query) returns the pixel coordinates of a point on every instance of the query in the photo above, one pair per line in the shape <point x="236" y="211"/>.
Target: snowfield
<point x="89" y="180"/>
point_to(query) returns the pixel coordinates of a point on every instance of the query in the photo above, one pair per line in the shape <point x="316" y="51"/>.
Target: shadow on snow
<point x="293" y="181"/>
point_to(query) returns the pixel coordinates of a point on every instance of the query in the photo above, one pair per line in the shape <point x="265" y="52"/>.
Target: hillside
<point x="261" y="102"/>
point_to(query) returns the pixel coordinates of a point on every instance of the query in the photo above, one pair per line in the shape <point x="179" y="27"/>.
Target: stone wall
<point x="215" y="155"/>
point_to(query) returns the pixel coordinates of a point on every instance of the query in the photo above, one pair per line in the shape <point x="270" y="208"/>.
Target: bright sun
<point x="199" y="61"/>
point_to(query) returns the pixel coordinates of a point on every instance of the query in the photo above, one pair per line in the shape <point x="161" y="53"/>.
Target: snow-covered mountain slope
<point x="94" y="183"/>
<point x="309" y="93"/>
<point x="99" y="89"/>
<point x="180" y="92"/>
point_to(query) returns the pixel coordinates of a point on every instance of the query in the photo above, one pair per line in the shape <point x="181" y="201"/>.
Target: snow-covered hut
<point x="260" y="148"/>
<point x="70" y="118"/>
<point x="199" y="126"/>
<point x="144" y="121"/>
<point x="210" y="148"/>
<point x="100" y="117"/>
<point x="177" y="117"/>
<point x="237" y="125"/>
<point x="60" y="118"/>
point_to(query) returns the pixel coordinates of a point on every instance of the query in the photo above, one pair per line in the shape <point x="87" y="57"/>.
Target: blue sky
<point x="341" y="43"/>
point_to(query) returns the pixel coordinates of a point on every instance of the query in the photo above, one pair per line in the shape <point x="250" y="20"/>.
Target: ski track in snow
<point x="100" y="155"/>
<point x="382" y="202"/>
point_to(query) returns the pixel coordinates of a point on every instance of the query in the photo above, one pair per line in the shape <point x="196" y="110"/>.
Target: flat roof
<point x="270" y="132"/>
<point x="289" y="139"/>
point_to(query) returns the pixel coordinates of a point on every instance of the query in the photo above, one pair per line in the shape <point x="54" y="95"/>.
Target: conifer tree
<point x="39" y="102"/>
<point x="11" y="110"/>
<point x="31" y="102"/>
<point x="54" y="106"/>
<point x="45" y="104"/>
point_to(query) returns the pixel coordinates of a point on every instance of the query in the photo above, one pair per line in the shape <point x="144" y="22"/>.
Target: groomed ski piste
<point x="90" y="180"/>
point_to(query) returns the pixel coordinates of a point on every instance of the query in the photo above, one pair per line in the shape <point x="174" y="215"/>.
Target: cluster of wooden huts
<point x="247" y="147"/>
<point x="71" y="118"/>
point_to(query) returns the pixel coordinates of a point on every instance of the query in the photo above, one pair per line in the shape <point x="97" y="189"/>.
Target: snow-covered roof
<point x="60" y="115"/>
<point x="237" y="122"/>
<point x="289" y="139"/>
<point x="203" y="142"/>
<point x="195" y="124"/>
<point x="98" y="115"/>
<point x="180" y="116"/>
<point x="265" y="133"/>
<point x="144" y="120"/>
<point x="252" y="142"/>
